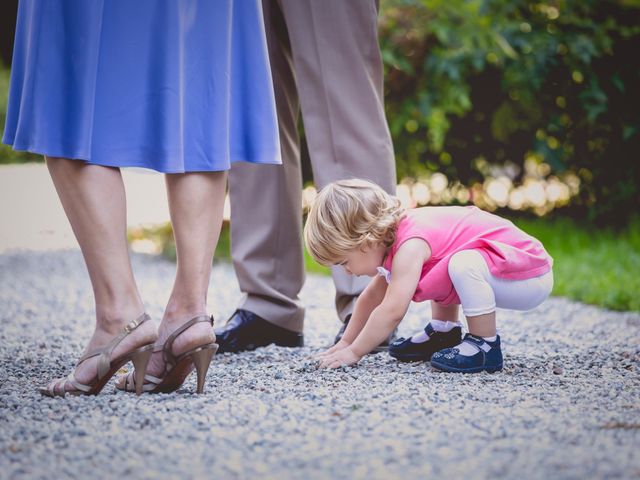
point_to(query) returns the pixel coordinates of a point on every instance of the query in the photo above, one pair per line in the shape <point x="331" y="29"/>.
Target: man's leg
<point x="266" y="220"/>
<point x="339" y="73"/>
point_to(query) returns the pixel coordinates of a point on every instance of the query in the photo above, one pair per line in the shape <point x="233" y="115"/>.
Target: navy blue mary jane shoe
<point x="487" y="359"/>
<point x="406" y="351"/>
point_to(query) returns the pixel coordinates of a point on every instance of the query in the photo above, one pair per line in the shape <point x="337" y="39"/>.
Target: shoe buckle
<point x="131" y="326"/>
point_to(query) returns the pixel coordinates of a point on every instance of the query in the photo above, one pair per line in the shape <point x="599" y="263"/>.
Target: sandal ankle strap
<point x="104" y="362"/>
<point x="167" y="355"/>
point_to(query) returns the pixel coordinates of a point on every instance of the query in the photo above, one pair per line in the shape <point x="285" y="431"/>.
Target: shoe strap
<point x="478" y="342"/>
<point x="167" y="354"/>
<point x="104" y="362"/>
<point x="76" y="384"/>
<point x="58" y="388"/>
<point x="150" y="383"/>
<point x="429" y="330"/>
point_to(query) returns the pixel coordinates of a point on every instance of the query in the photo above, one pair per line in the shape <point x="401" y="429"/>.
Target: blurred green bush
<point x="476" y="87"/>
<point x="7" y="154"/>
<point x="509" y="89"/>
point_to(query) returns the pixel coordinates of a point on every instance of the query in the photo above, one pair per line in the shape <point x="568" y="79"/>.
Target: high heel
<point x="107" y="368"/>
<point x="202" y="360"/>
<point x="140" y="361"/>
<point x="177" y="368"/>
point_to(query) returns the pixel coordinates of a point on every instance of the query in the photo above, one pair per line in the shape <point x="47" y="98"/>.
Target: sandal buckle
<point x="131" y="326"/>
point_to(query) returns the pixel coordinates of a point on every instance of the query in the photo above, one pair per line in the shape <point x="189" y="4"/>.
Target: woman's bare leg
<point x="93" y="198"/>
<point x="196" y="202"/>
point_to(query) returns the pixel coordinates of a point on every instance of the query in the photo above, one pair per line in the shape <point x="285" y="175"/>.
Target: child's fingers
<point x="325" y="362"/>
<point x="326" y="353"/>
<point x="331" y="362"/>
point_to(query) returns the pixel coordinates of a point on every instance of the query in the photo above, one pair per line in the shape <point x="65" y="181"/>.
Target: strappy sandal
<point x="177" y="368"/>
<point x="106" y="367"/>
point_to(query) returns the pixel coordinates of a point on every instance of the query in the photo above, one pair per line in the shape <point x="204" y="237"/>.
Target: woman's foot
<point x="198" y="334"/>
<point x="86" y="372"/>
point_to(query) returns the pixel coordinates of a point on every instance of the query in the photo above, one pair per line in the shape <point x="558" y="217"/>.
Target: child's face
<point x="364" y="261"/>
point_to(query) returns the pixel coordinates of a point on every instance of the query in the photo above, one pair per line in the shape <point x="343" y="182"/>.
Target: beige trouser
<point x="324" y="57"/>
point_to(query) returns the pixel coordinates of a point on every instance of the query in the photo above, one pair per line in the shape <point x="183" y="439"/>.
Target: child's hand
<point x="338" y="346"/>
<point x="339" y="358"/>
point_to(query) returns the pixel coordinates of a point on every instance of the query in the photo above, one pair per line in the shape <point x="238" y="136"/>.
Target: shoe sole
<point x="447" y="368"/>
<point x="252" y="347"/>
<point x="411" y="358"/>
<point x="380" y="349"/>
<point x="288" y="344"/>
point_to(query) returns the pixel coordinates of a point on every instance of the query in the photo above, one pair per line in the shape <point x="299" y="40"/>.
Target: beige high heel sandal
<point x="177" y="368"/>
<point x="106" y="367"/>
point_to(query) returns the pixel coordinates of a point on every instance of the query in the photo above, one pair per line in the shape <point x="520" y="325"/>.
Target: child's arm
<point x="406" y="270"/>
<point x="369" y="299"/>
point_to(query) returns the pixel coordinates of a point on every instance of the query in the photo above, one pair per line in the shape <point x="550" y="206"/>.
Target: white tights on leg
<point x="480" y="292"/>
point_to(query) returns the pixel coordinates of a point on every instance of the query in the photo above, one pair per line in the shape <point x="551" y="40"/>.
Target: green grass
<point x="599" y="267"/>
<point x="7" y="154"/>
<point x="595" y="266"/>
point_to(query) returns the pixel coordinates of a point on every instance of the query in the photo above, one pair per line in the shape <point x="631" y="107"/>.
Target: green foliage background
<point x="473" y="86"/>
<point x="7" y="154"/>
<point x="476" y="83"/>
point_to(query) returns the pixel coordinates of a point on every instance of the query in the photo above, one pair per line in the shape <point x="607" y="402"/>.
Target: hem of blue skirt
<point x="134" y="164"/>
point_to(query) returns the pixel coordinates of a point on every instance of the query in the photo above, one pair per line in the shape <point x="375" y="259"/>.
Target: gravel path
<point x="566" y="406"/>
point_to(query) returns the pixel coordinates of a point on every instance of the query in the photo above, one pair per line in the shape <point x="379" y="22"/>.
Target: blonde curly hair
<point x="348" y="215"/>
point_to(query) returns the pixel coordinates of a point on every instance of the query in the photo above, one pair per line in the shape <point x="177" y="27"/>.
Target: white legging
<point x="480" y="292"/>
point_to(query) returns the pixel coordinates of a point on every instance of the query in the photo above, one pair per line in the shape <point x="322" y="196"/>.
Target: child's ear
<point x="366" y="246"/>
<point x="369" y="245"/>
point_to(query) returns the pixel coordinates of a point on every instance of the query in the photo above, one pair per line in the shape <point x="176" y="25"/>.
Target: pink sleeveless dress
<point x="509" y="252"/>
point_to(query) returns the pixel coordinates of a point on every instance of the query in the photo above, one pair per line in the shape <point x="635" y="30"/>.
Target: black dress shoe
<point x="406" y="351"/>
<point x="380" y="348"/>
<point x="247" y="331"/>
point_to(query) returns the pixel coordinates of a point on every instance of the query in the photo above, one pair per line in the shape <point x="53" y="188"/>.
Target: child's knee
<point x="466" y="263"/>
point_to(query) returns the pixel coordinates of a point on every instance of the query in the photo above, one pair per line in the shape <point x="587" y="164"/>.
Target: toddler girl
<point x="449" y="255"/>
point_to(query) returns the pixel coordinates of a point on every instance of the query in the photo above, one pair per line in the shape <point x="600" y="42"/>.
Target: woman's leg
<point x="196" y="202"/>
<point x="93" y="198"/>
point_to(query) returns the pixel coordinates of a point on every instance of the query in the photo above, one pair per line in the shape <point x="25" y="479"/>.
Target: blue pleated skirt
<point x="170" y="85"/>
